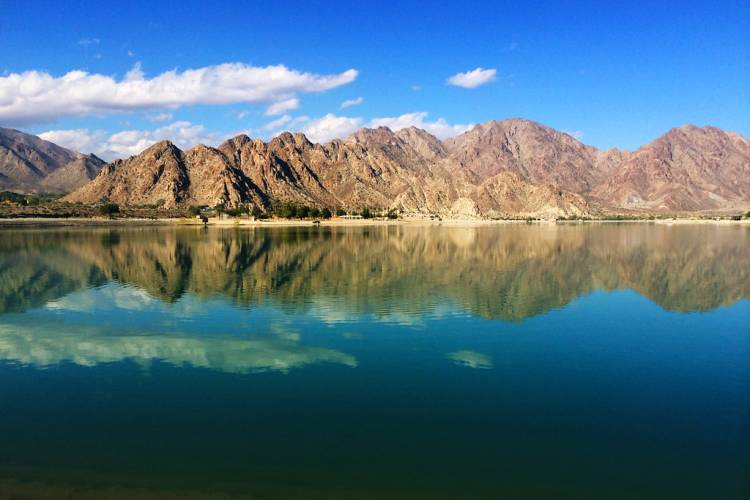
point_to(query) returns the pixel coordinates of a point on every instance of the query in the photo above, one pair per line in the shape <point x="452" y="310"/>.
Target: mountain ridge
<point x="513" y="167"/>
<point x="29" y="164"/>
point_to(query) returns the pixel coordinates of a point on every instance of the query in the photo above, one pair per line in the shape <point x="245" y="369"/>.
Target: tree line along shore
<point x="49" y="205"/>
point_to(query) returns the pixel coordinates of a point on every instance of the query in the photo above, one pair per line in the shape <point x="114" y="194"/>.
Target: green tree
<point x="194" y="210"/>
<point x="392" y="214"/>
<point x="256" y="212"/>
<point x="315" y="212"/>
<point x="287" y="211"/>
<point x="219" y="208"/>
<point x="303" y="212"/>
<point x="325" y="213"/>
<point x="340" y="212"/>
<point x="366" y="214"/>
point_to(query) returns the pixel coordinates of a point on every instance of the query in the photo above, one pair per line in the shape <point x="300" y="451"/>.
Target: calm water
<point x="529" y="361"/>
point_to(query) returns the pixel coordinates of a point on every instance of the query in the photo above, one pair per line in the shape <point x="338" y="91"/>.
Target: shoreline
<point x="225" y="223"/>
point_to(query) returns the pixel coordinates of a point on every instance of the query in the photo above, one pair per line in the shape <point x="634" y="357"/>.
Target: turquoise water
<point x="515" y="361"/>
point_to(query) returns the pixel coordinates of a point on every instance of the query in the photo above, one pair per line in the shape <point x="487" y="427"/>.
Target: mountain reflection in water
<point x="508" y="272"/>
<point x="408" y="361"/>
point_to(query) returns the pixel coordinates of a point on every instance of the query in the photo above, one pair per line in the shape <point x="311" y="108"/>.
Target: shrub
<point x="109" y="209"/>
<point x="256" y="212"/>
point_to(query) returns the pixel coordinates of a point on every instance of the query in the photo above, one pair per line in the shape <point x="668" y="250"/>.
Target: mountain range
<point x="513" y="167"/>
<point x="29" y="164"/>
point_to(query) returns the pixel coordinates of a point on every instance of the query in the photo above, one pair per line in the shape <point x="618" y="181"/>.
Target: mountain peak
<point x="514" y="166"/>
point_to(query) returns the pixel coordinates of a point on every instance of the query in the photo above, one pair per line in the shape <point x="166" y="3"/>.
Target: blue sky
<point x="615" y="74"/>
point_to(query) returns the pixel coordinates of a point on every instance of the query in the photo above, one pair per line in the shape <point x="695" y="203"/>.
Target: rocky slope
<point x="29" y="164"/>
<point x="515" y="168"/>
<point x="688" y="168"/>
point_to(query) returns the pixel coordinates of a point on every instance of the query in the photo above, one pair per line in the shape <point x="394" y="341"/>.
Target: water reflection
<point x="471" y="359"/>
<point x="396" y="273"/>
<point x="494" y="352"/>
<point x="44" y="345"/>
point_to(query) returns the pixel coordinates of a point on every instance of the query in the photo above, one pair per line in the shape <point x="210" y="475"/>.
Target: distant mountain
<point x="508" y="168"/>
<point x="29" y="164"/>
<point x="688" y="168"/>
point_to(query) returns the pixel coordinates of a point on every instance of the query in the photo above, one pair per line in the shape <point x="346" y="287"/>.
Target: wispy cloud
<point x="511" y="47"/>
<point x="473" y="79"/>
<point x="159" y="117"/>
<point x="349" y="103"/>
<point x="87" y="42"/>
<point x="576" y="134"/>
<point x="37" y="96"/>
<point x="277" y="123"/>
<point x="282" y="106"/>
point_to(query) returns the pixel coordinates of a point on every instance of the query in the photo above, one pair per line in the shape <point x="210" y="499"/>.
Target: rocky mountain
<point x="165" y="175"/>
<point x="29" y="164"/>
<point x="538" y="154"/>
<point x="688" y="168"/>
<point x="509" y="168"/>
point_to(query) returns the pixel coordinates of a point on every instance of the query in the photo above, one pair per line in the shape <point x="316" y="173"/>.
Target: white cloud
<point x="160" y="117"/>
<point x="352" y="102"/>
<point x="37" y="96"/>
<point x="81" y="140"/>
<point x="330" y="127"/>
<point x="131" y="142"/>
<point x="416" y="88"/>
<point x="280" y="107"/>
<point x="131" y="53"/>
<point x="473" y="79"/>
<point x="440" y="128"/>
<point x="185" y="134"/>
<point x="576" y="134"/>
<point x="279" y="122"/>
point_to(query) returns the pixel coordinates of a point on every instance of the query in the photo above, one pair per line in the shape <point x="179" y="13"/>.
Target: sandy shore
<point x="101" y="221"/>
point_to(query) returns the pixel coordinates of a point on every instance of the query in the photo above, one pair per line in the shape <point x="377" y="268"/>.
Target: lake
<point x="385" y="361"/>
